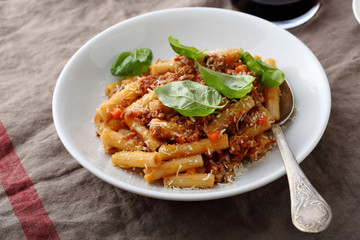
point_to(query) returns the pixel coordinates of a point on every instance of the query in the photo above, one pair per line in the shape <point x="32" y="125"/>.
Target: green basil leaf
<point x="268" y="76"/>
<point x="132" y="63"/>
<point x="183" y="50"/>
<point x="231" y="86"/>
<point x="272" y="77"/>
<point x="189" y="98"/>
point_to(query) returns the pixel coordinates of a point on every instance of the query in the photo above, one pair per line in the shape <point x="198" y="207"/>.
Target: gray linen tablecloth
<point x="46" y="194"/>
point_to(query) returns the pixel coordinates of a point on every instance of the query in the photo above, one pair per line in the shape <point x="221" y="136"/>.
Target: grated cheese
<point x="207" y="177"/>
<point x="177" y="173"/>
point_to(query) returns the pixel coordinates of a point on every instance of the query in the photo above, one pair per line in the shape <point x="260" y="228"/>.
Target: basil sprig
<point x="189" y="98"/>
<point x="230" y="86"/>
<point x="132" y="63"/>
<point x="183" y="50"/>
<point x="267" y="75"/>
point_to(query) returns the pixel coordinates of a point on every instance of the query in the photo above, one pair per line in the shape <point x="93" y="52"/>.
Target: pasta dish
<point x="192" y="120"/>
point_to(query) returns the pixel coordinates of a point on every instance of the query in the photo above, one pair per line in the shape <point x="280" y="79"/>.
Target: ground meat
<point x="230" y="71"/>
<point x="145" y="83"/>
<point x="194" y="128"/>
<point x="141" y="114"/>
<point x="185" y="61"/>
<point x="159" y="133"/>
<point x="239" y="146"/>
<point x="215" y="62"/>
<point x="256" y="95"/>
<point x="221" y="165"/>
<point x="159" y="110"/>
<point x="167" y="78"/>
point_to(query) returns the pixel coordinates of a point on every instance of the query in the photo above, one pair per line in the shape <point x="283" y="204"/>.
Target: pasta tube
<point x="172" y="167"/>
<point x="135" y="159"/>
<point x="186" y="149"/>
<point x="232" y="114"/>
<point x="120" y="141"/>
<point x="186" y="180"/>
<point x="161" y="67"/>
<point x="151" y="142"/>
<point x="122" y="98"/>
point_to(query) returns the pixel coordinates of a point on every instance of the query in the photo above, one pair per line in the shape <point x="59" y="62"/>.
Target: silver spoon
<point x="309" y="211"/>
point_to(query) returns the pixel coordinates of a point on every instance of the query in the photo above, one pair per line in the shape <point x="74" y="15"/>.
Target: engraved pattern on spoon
<point x="306" y="205"/>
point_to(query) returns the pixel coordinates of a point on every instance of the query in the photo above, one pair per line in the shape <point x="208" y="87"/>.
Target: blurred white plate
<point x="356" y="9"/>
<point x="80" y="89"/>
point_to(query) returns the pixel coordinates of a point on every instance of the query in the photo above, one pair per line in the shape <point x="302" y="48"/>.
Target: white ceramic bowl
<point x="356" y="9"/>
<point x="80" y="89"/>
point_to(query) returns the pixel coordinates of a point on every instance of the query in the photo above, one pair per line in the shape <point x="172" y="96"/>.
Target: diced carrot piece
<point x="214" y="136"/>
<point x="116" y="112"/>
<point x="229" y="61"/>
<point x="263" y="119"/>
<point x="257" y="57"/>
<point x="241" y="68"/>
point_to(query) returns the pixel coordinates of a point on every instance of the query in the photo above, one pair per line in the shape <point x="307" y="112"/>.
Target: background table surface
<point x="37" y="38"/>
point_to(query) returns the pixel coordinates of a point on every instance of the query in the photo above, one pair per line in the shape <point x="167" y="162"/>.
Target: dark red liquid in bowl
<point x="275" y="10"/>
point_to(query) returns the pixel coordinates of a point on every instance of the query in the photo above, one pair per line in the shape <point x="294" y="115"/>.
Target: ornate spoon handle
<point x="309" y="211"/>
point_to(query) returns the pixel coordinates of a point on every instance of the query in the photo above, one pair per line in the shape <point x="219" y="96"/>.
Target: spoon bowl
<point x="286" y="102"/>
<point x="309" y="211"/>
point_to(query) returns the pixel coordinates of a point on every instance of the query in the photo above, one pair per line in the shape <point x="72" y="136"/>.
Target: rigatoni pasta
<point x="121" y="141"/>
<point x="140" y="131"/>
<point x="132" y="159"/>
<point x="205" y="146"/>
<point x="173" y="167"/>
<point x="190" y="180"/>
